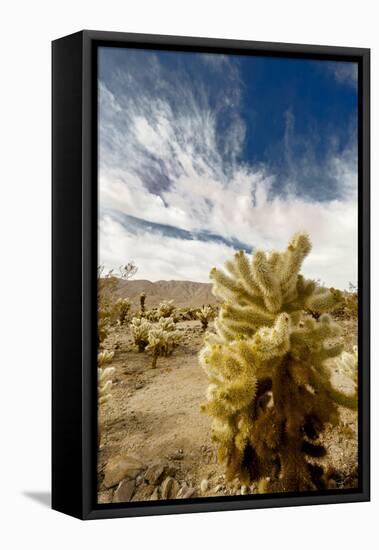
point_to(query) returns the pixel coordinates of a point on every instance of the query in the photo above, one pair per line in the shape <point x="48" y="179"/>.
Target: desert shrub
<point x="163" y="339"/>
<point x="166" y="308"/>
<point x="270" y="392"/>
<point x="121" y="310"/>
<point x="205" y="314"/>
<point x="140" y="331"/>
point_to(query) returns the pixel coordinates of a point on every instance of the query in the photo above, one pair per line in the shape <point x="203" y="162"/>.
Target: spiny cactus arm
<point x="344" y="399"/>
<point x="244" y="270"/>
<point x="235" y="385"/>
<point x="272" y="342"/>
<point x="304" y="287"/>
<point x="297" y="250"/>
<point x="226" y="287"/>
<point x="314" y="333"/>
<point x="326" y="352"/>
<point x="325" y="301"/>
<point x="267" y="281"/>
<point x="104" y="357"/>
<point x="347" y="400"/>
<point x="347" y="364"/>
<point x="252" y="315"/>
<point x="224" y="333"/>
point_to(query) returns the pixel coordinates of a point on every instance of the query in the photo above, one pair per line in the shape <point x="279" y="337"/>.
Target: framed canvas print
<point x="210" y="274"/>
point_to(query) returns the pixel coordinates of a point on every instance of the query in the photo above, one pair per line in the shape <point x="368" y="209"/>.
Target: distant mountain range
<point x="184" y="293"/>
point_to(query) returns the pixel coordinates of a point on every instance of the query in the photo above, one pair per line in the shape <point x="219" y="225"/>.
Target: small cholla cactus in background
<point x="166" y="308"/>
<point x="103" y="323"/>
<point x="121" y="310"/>
<point x="166" y="323"/>
<point x="140" y="331"/>
<point x="163" y="339"/>
<point x="270" y="391"/>
<point x="151" y="315"/>
<point x="142" y="299"/>
<point x="104" y="384"/>
<point x="104" y="357"/>
<point x="205" y="314"/>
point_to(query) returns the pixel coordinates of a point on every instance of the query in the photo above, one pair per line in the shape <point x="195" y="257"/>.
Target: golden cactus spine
<point x="270" y="393"/>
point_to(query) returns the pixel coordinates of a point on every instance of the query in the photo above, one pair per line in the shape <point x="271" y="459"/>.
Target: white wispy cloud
<point x="162" y="159"/>
<point x="344" y="72"/>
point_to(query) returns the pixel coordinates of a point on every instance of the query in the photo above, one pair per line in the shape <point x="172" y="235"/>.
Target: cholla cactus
<point x="142" y="299"/>
<point x="270" y="392"/>
<point x="167" y="324"/>
<point x="103" y="323"/>
<point x="140" y="331"/>
<point x="104" y="384"/>
<point x="121" y="310"/>
<point x="104" y="357"/>
<point x="163" y="339"/>
<point x="205" y="314"/>
<point x="166" y="308"/>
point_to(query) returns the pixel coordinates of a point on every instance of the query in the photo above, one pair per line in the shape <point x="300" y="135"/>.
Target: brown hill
<point x="184" y="293"/>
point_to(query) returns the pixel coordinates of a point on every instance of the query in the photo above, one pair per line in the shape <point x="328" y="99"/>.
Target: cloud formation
<point x="176" y="194"/>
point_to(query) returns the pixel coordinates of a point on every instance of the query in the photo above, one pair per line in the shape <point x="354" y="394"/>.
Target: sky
<point x="202" y="155"/>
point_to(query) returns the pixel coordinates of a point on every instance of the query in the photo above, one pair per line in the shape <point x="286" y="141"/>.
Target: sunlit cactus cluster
<point x="140" y="328"/>
<point x="160" y="338"/>
<point x="270" y="392"/>
<point x="163" y="339"/>
<point x="205" y="314"/>
<point x="166" y="308"/>
<point x="121" y="310"/>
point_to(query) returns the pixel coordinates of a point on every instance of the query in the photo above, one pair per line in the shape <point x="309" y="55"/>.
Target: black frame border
<point x="74" y="298"/>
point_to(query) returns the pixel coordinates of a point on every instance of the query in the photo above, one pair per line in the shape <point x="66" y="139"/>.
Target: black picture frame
<point x="74" y="309"/>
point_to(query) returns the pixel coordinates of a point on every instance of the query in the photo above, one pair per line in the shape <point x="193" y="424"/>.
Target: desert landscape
<point x="155" y="443"/>
<point x="227" y="298"/>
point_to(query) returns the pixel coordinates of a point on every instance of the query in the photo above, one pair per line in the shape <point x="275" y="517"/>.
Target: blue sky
<point x="201" y="155"/>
